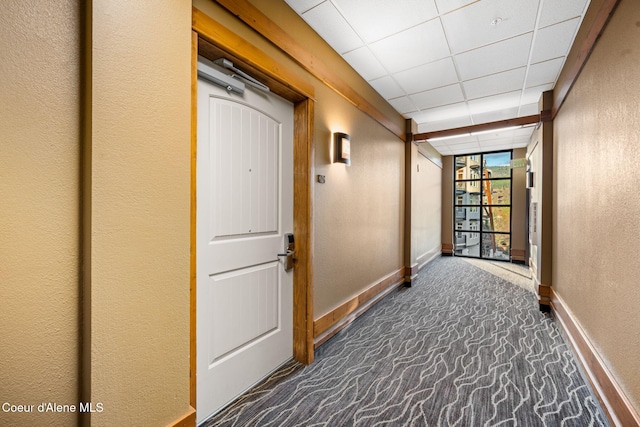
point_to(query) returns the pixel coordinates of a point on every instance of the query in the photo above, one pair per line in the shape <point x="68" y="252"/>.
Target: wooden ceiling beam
<point x="519" y="121"/>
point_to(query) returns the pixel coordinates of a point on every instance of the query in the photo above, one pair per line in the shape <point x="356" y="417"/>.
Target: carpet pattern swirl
<point x="461" y="347"/>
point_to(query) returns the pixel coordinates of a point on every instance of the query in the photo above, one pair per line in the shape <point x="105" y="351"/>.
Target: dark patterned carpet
<point x="462" y="347"/>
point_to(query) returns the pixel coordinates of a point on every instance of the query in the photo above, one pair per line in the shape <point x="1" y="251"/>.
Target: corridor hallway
<point x="466" y="345"/>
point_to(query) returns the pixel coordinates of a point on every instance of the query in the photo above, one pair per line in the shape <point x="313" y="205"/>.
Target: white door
<point x="244" y="208"/>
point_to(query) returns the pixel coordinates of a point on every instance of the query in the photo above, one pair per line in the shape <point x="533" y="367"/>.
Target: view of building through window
<point x="482" y="205"/>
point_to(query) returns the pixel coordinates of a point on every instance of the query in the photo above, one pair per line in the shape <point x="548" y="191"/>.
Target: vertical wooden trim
<point x="616" y="405"/>
<point x="408" y="202"/>
<point x="303" y="231"/>
<point x="192" y="268"/>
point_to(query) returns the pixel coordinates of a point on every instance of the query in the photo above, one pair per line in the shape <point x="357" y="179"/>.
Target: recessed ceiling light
<point x="496" y="22"/>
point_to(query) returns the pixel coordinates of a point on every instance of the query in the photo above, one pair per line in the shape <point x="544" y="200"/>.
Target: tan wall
<point x="596" y="136"/>
<point x="39" y="212"/>
<point x="426" y="207"/>
<point x="140" y="211"/>
<point x="358" y="212"/>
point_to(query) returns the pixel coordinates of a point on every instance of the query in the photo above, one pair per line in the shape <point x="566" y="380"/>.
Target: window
<point x="483" y="199"/>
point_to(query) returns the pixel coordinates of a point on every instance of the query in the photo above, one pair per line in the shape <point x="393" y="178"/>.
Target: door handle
<point x="289" y="251"/>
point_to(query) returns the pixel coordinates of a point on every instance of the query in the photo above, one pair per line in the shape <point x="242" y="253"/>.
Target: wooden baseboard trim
<point x="613" y="400"/>
<point x="187" y="420"/>
<point x="543" y="292"/>
<point x="411" y="273"/>
<point x="518" y="255"/>
<point x="447" y="248"/>
<point x="331" y="323"/>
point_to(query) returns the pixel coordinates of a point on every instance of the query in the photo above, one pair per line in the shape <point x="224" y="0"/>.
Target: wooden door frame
<point x="211" y="39"/>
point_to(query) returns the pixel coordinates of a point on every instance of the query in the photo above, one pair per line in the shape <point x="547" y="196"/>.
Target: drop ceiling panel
<point x="441" y="96"/>
<point x="432" y="126"/>
<point x="442" y="62"/>
<point x="471" y="26"/>
<point x="376" y="19"/>
<point x="558" y="11"/>
<point x="332" y="27"/>
<point x="544" y="72"/>
<point x="415" y="46"/>
<point x="403" y="105"/>
<point x="428" y="76"/>
<point x="532" y="95"/>
<point x="387" y="87"/>
<point x="444" y="112"/>
<point x="495" y="102"/>
<point x="301" y="6"/>
<point x="529" y="109"/>
<point x="465" y="148"/>
<point x="506" y="81"/>
<point x="445" y="6"/>
<point x="501" y="56"/>
<point x="554" y="41"/>
<point x="363" y="61"/>
<point x="494" y="116"/>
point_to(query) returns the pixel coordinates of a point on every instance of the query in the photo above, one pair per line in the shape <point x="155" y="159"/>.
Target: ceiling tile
<point x="494" y="116"/>
<point x="443" y="113"/>
<point x="558" y="11"/>
<point x="331" y="26"/>
<point x="440" y="96"/>
<point x="554" y="41"/>
<point x="466" y="140"/>
<point x="528" y="110"/>
<point x="453" y="123"/>
<point x="376" y="19"/>
<point x="544" y="72"/>
<point x="301" y="6"/>
<point x="496" y="83"/>
<point x="403" y="105"/>
<point x="532" y="95"/>
<point x="387" y="87"/>
<point x="398" y="52"/>
<point x="502" y="56"/>
<point x="470" y="147"/>
<point x="363" y="61"/>
<point x="471" y="26"/>
<point x="428" y="76"/>
<point x="445" y="151"/>
<point x="496" y="102"/>
<point x="446" y="6"/>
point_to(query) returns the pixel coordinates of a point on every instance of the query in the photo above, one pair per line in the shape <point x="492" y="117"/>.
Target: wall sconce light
<point x="341" y="148"/>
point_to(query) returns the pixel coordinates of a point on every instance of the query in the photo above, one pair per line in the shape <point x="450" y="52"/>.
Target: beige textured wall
<point x="139" y="207"/>
<point x="39" y="212"/>
<point x="596" y="136"/>
<point x="358" y="212"/>
<point x="427" y="205"/>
